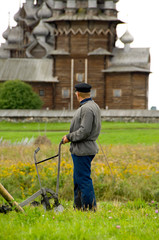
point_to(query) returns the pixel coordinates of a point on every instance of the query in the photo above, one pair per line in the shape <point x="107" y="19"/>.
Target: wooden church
<point x="58" y="43"/>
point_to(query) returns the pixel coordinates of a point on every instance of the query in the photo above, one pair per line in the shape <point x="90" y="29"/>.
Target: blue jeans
<point x="84" y="196"/>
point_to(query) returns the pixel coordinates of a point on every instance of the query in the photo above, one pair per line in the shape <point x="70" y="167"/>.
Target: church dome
<point x="44" y="11"/>
<point x="15" y="35"/>
<point x="6" y="33"/>
<point x="127" y="38"/>
<point x="40" y="29"/>
<point x="50" y="3"/>
<point x="30" y="10"/>
<point x="17" y="16"/>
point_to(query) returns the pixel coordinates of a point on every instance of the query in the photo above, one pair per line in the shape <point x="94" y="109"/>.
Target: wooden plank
<point x="6" y="195"/>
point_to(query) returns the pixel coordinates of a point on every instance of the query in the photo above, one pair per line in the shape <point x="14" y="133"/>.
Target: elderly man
<point x="84" y="130"/>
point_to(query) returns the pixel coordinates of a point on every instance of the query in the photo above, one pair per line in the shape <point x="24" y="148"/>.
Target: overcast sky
<point x="142" y="19"/>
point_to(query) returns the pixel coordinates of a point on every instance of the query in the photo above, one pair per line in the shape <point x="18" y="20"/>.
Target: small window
<point x="79" y="77"/>
<point x="117" y="93"/>
<point x="65" y="93"/>
<point x="93" y="93"/>
<point x="41" y="93"/>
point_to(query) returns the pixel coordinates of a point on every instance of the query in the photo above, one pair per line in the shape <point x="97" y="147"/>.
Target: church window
<point x="80" y="77"/>
<point x="93" y="93"/>
<point x="65" y="93"/>
<point x="41" y="93"/>
<point x="117" y="92"/>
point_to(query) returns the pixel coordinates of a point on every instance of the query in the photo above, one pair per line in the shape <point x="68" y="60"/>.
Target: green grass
<point x="129" y="125"/>
<point x="114" y="136"/>
<point x="113" y="220"/>
<point x="130" y="136"/>
<point x="136" y="220"/>
<point x="35" y="126"/>
<point x="111" y="133"/>
<point x="14" y="136"/>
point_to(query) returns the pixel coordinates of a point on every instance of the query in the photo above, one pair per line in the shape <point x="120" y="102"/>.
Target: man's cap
<point x="83" y="87"/>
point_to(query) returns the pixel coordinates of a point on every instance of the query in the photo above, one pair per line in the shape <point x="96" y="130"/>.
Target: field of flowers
<point x="134" y="171"/>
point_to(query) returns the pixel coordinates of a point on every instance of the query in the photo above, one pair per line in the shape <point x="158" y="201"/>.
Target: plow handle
<point x="5" y="194"/>
<point x="58" y="172"/>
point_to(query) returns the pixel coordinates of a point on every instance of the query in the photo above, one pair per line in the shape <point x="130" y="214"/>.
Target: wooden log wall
<point x="116" y="81"/>
<point x="82" y="44"/>
<point x="62" y="41"/>
<point x="63" y="71"/>
<point x="48" y="97"/>
<point x="133" y="88"/>
<point x="98" y="41"/>
<point x="96" y="78"/>
<point x="79" y="45"/>
<point x="140" y="90"/>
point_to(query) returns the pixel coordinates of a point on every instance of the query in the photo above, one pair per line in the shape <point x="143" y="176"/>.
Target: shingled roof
<point x="81" y="17"/>
<point x="100" y="51"/>
<point x="27" y="70"/>
<point x="129" y="59"/>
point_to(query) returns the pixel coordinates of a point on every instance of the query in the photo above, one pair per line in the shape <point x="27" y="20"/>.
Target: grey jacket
<point x="84" y="130"/>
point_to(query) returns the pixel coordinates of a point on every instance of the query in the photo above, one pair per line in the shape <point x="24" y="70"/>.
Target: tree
<point x="18" y="95"/>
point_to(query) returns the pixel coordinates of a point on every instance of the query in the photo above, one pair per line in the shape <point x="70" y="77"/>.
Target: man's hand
<point x="65" y="139"/>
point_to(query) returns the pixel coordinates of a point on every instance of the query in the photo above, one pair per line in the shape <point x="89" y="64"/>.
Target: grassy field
<point x="127" y="204"/>
<point x="111" y="133"/>
<point x="114" y="220"/>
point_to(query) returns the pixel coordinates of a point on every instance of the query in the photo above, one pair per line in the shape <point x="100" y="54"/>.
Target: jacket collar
<point x="85" y="100"/>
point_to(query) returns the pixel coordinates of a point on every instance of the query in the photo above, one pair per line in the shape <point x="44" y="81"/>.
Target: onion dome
<point x="6" y="33"/>
<point x="17" y="16"/>
<point x="15" y="35"/>
<point x="44" y="11"/>
<point x="50" y="3"/>
<point x="127" y="38"/>
<point x="40" y="29"/>
<point x="30" y="9"/>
